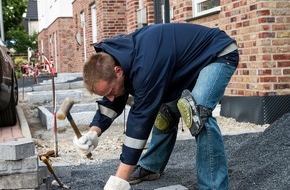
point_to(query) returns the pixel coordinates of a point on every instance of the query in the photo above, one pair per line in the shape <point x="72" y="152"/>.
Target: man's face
<point x="113" y="89"/>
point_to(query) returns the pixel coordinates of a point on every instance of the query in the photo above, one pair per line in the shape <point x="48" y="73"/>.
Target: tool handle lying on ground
<point x="64" y="112"/>
<point x="47" y="154"/>
<point x="44" y="159"/>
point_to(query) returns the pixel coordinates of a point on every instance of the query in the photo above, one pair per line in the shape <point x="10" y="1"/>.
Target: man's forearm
<point x="97" y="129"/>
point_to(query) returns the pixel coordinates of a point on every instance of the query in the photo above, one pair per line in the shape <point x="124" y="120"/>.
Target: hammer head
<point x="64" y="109"/>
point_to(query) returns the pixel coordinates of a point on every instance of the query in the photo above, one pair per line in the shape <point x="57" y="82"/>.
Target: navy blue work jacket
<point x="159" y="62"/>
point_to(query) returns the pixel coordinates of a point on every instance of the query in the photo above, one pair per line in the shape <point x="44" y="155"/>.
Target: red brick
<point x="286" y="72"/>
<point x="253" y="7"/>
<point x="283" y="64"/>
<point x="253" y="58"/>
<point x="263" y="12"/>
<point x="281" y="86"/>
<point x="284" y="79"/>
<point x="281" y="57"/>
<point x="268" y="79"/>
<point x="264" y="72"/>
<point x="266" y="20"/>
<point x="267" y="35"/>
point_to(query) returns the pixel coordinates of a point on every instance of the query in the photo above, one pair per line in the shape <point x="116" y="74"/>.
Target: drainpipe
<point x="166" y="11"/>
<point x="1" y="22"/>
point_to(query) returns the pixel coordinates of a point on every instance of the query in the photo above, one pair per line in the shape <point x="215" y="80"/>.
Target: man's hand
<point x="87" y="143"/>
<point x="116" y="183"/>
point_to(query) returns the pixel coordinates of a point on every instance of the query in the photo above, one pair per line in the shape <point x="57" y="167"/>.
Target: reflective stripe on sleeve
<point x="107" y="112"/>
<point x="134" y="143"/>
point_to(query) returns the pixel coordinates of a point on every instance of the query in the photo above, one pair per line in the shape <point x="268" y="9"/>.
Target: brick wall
<point x="131" y="17"/>
<point x="113" y="14"/>
<point x="61" y="50"/>
<point x="43" y="41"/>
<point x="262" y="30"/>
<point x="182" y="9"/>
<point x="150" y="11"/>
<point x="82" y="42"/>
<point x="111" y="20"/>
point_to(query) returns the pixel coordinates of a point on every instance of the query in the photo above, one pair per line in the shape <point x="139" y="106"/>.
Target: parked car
<point x="8" y="88"/>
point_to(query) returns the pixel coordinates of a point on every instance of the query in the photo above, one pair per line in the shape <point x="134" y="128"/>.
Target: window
<point x="94" y="23"/>
<point x="203" y="7"/>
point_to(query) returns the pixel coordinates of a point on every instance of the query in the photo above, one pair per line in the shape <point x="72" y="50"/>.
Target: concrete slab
<point x="40" y="97"/>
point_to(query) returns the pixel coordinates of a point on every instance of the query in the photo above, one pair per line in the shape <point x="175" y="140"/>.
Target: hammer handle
<point x="76" y="130"/>
<point x="74" y="126"/>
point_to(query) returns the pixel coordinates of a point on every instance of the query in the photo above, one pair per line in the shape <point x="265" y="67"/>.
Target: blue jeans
<point x="211" y="161"/>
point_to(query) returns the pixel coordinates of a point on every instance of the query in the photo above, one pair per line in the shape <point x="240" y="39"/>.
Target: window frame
<point x="94" y="23"/>
<point x="195" y="4"/>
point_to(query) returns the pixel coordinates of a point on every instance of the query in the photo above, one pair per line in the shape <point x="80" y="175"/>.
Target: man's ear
<point x="118" y="71"/>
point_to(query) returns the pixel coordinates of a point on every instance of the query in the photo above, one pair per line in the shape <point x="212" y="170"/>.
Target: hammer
<point x="64" y="112"/>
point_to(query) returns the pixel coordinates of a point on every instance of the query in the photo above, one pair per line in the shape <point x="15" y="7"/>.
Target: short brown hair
<point x="99" y="66"/>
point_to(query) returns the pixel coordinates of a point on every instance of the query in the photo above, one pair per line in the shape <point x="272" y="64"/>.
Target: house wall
<point x="261" y="29"/>
<point x="111" y="20"/>
<point x="58" y="45"/>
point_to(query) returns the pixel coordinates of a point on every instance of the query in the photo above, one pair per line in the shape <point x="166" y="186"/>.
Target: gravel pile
<point x="263" y="162"/>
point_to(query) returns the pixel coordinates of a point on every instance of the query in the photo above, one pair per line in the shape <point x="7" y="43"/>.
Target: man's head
<point x="103" y="76"/>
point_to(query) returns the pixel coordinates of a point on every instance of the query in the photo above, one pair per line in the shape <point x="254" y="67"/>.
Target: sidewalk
<point x="10" y="133"/>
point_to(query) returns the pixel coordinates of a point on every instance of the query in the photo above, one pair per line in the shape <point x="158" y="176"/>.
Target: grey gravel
<point x="257" y="161"/>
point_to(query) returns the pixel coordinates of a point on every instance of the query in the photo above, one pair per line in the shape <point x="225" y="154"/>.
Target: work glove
<point x="116" y="183"/>
<point x="87" y="143"/>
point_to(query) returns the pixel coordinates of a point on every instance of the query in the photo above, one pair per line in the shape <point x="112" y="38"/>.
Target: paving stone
<point x="48" y="87"/>
<point x="77" y="84"/>
<point x="29" y="164"/>
<point x="81" y="113"/>
<point x="63" y="171"/>
<point x="173" y="187"/>
<point x="30" y="180"/>
<point x="15" y="150"/>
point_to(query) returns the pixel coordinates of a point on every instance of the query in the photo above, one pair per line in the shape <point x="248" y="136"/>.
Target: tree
<point x="15" y="34"/>
<point x="20" y="40"/>
<point x="12" y="14"/>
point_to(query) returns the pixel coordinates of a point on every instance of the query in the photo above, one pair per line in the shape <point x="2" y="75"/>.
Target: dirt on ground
<point x="258" y="155"/>
<point x="110" y="142"/>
